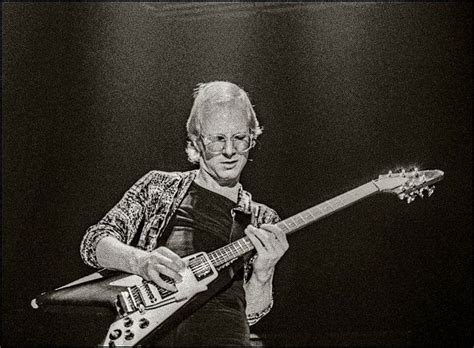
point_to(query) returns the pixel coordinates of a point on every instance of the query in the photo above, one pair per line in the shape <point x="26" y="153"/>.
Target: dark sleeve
<point x="120" y="222"/>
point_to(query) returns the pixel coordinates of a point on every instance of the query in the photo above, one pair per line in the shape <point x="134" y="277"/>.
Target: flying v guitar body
<point x="144" y="307"/>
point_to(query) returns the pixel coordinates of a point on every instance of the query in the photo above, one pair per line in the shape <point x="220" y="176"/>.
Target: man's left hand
<point x="270" y="243"/>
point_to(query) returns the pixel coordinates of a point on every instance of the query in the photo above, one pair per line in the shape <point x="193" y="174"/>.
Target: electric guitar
<point x="142" y="307"/>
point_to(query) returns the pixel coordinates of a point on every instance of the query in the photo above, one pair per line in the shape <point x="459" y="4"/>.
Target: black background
<point x="97" y="94"/>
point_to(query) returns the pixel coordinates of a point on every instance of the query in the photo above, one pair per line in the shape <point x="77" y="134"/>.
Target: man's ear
<point x="253" y="143"/>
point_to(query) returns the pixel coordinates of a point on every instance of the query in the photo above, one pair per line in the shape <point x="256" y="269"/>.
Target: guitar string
<point x="226" y="253"/>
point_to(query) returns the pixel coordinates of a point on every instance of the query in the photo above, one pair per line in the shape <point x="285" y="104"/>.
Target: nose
<point x="229" y="149"/>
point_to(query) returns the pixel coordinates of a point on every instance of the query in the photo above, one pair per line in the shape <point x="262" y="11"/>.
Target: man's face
<point x="224" y="167"/>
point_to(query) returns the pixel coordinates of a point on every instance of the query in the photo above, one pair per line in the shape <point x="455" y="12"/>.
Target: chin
<point x="229" y="174"/>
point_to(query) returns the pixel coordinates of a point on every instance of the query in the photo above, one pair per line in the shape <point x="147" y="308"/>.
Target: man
<point x="166" y="216"/>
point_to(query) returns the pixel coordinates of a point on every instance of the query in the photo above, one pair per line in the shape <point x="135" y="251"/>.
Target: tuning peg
<point x="403" y="172"/>
<point x="389" y="173"/>
<point x="420" y="193"/>
<point x="430" y="190"/>
<point x="410" y="199"/>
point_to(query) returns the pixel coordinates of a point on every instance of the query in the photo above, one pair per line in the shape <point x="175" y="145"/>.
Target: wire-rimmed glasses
<point x="215" y="143"/>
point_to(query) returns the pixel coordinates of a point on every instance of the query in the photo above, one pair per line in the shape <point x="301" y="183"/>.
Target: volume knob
<point x="115" y="334"/>
<point x="127" y="322"/>
<point x="144" y="323"/>
<point x="129" y="335"/>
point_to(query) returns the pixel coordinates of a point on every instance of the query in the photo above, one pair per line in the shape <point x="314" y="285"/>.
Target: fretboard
<point x="294" y="223"/>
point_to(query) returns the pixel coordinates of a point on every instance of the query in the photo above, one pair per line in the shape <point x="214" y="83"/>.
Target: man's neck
<point x="230" y="191"/>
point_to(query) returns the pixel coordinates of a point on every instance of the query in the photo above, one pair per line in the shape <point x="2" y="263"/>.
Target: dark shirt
<point x="204" y="222"/>
<point x="146" y="209"/>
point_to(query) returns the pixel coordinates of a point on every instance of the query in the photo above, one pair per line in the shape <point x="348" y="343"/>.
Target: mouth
<point x="230" y="164"/>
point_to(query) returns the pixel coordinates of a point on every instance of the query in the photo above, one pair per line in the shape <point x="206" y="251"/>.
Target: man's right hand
<point x="114" y="254"/>
<point x="162" y="261"/>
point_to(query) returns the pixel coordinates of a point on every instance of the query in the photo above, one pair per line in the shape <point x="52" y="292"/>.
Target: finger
<point x="160" y="259"/>
<point x="155" y="278"/>
<point x="274" y="246"/>
<point x="257" y="243"/>
<point x="278" y="233"/>
<point x="256" y="215"/>
<point x="175" y="276"/>
<point x="175" y="258"/>
<point x="273" y="229"/>
<point x="266" y="238"/>
<point x="266" y="235"/>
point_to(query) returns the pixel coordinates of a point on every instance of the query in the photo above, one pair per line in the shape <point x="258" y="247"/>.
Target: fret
<point x="243" y="245"/>
<point x="283" y="227"/>
<point x="283" y="222"/>
<point x="307" y="215"/>
<point x="351" y="196"/>
<point x="212" y="257"/>
<point x="225" y="252"/>
<point x="321" y="212"/>
<point x="338" y="202"/>
<point x="220" y="257"/>
<point x="233" y="249"/>
<point x="239" y="242"/>
<point x="357" y="193"/>
<point x="316" y="212"/>
<point x="321" y="209"/>
<point x="299" y="219"/>
<point x="236" y="249"/>
<point x="326" y="207"/>
<point x="295" y="220"/>
<point x="291" y="223"/>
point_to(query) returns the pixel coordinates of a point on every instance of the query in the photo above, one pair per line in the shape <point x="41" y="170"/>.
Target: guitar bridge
<point x="124" y="304"/>
<point x="144" y="295"/>
<point x="147" y="295"/>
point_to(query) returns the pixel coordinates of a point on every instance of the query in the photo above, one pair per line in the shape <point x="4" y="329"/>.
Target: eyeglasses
<point x="215" y="143"/>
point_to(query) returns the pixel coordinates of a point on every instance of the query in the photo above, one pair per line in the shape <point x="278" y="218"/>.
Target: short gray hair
<point x="216" y="94"/>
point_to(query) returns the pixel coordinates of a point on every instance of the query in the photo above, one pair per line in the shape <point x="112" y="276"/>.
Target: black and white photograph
<point x="236" y="174"/>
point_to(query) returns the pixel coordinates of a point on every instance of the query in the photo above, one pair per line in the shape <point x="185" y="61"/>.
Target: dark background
<point x="97" y="94"/>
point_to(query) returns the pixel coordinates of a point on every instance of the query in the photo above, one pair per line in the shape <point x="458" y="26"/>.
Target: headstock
<point x="408" y="185"/>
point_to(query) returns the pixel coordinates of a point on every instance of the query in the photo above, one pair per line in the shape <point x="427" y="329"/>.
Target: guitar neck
<point x="296" y="222"/>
